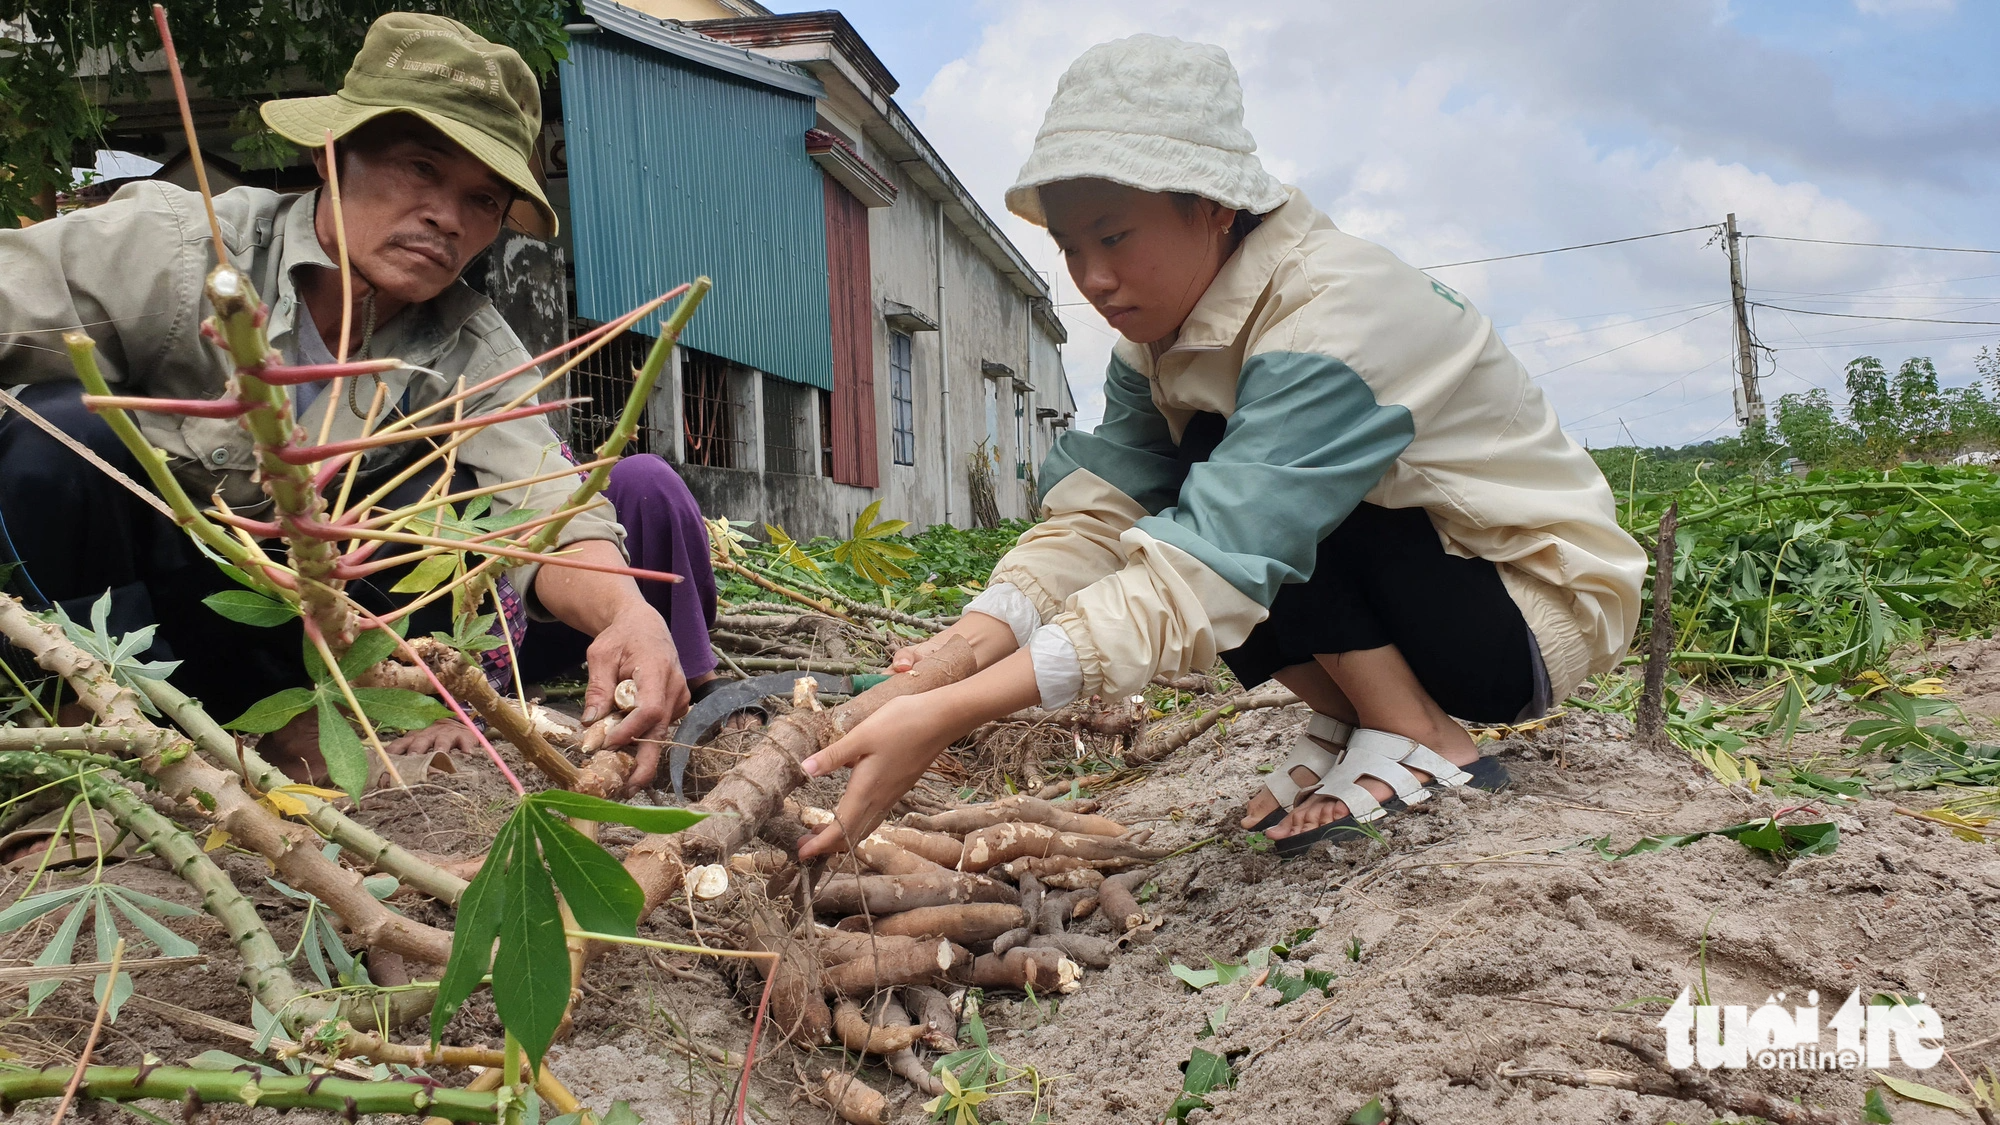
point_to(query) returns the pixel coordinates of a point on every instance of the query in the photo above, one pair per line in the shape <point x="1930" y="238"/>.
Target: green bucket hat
<point x="478" y="93"/>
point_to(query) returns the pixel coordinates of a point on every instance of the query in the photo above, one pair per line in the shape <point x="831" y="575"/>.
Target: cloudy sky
<point x="1450" y="130"/>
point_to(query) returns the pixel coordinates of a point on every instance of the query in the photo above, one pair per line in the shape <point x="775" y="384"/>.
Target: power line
<point x="1629" y="343"/>
<point x="1607" y="327"/>
<point x="1578" y="423"/>
<point x="1877" y="245"/>
<point x="1578" y="246"/>
<point x="1870" y="316"/>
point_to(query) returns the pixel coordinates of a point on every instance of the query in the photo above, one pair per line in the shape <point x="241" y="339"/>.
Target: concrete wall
<point x="984" y="317"/>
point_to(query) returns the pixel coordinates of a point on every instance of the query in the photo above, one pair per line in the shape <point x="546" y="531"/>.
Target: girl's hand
<point x="889" y="751"/>
<point x="991" y="640"/>
<point x="892" y="748"/>
<point x="912" y="655"/>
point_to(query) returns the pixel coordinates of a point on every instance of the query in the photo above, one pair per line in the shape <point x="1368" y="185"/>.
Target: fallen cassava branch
<point x="1682" y="1085"/>
<point x="94" y="740"/>
<point x="1162" y="739"/>
<point x="265" y="974"/>
<point x="196" y="1088"/>
<point x="183" y="774"/>
<point x="788" y="664"/>
<point x="363" y="843"/>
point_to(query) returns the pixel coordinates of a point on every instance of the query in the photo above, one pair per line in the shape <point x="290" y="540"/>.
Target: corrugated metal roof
<point x="676" y="170"/>
<point x="671" y="37"/>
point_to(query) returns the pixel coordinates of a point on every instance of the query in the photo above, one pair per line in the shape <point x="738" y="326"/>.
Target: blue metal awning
<point x="680" y="166"/>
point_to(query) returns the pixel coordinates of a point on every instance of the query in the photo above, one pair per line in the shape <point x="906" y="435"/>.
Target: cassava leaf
<point x="346" y="758"/>
<point x="58" y="952"/>
<point x="169" y="943"/>
<point x="621" y="1113"/>
<point x="370" y="648"/>
<point x="478" y="924"/>
<point x="788" y="549"/>
<point x="531" y="968"/>
<point x="425" y="576"/>
<point x="120" y="984"/>
<point x="274" y="711"/>
<point x="29" y="909"/>
<point x="600" y="893"/>
<point x="399" y="708"/>
<point x="585" y="807"/>
<point x="1918" y="1092"/>
<point x="251" y="608"/>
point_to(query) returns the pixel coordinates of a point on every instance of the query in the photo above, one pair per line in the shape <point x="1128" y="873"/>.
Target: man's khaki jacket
<point x="131" y="274"/>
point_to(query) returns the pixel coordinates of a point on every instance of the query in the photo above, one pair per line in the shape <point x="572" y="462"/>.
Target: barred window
<point x="902" y="400"/>
<point x="715" y="411"/>
<point x="606" y="379"/>
<point x="790" y="443"/>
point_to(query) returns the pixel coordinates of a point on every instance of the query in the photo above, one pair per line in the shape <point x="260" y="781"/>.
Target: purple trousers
<point x="663" y="531"/>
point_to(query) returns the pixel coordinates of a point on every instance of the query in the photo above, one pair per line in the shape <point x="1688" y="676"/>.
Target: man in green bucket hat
<point x="432" y="128"/>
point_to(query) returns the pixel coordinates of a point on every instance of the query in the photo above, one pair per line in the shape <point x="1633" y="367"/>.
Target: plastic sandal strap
<point x="1329" y="730"/>
<point x="1307" y="753"/>
<point x="1412" y="754"/>
<point x="1360" y="761"/>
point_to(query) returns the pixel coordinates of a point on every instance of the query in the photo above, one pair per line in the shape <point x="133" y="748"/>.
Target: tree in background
<point x="62" y="60"/>
<point x="1892" y="419"/>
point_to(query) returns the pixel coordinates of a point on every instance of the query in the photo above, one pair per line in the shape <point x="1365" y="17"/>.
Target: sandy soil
<point x="1483" y="931"/>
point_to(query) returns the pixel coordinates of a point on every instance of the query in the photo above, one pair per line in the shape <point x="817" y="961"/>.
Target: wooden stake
<point x="96" y="1025"/>
<point x="1652" y="714"/>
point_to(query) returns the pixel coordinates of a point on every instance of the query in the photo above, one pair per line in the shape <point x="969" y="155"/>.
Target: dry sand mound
<point x="1487" y="932"/>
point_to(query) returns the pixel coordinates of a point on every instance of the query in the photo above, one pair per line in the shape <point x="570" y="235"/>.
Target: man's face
<point x="415" y="204"/>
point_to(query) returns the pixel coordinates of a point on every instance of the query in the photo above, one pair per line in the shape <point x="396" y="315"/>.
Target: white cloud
<point x="1902" y="7"/>
<point x="1452" y="129"/>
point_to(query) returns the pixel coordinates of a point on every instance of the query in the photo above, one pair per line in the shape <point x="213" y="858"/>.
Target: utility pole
<point x="1749" y="397"/>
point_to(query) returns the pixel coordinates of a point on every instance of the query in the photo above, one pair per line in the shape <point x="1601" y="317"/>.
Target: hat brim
<point x="307" y="121"/>
<point x="1148" y="162"/>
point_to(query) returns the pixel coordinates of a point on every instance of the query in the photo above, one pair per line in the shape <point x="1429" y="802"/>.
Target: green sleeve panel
<point x="1307" y="442"/>
<point x="1132" y="449"/>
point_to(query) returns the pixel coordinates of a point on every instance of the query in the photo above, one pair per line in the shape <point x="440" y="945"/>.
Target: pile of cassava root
<point x="878" y="945"/>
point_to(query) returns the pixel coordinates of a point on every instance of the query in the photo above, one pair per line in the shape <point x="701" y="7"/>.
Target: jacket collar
<point x="1218" y="318"/>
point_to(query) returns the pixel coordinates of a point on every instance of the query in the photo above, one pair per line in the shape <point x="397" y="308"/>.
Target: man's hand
<point x="891" y="749"/>
<point x="637" y="647"/>
<point x="632" y="643"/>
<point x="448" y="735"/>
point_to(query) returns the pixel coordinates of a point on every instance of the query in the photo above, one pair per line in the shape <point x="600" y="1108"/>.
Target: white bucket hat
<point x="1153" y="113"/>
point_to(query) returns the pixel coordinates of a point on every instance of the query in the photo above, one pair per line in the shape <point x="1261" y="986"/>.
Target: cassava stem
<point x="183" y="774"/>
<point x="367" y="846"/>
<point x="264" y="972"/>
<point x="232" y="1087"/>
<point x="83" y="357"/>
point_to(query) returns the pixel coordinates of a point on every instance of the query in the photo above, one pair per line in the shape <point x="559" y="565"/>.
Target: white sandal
<point x="1388" y="758"/>
<point x="1309" y="752"/>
